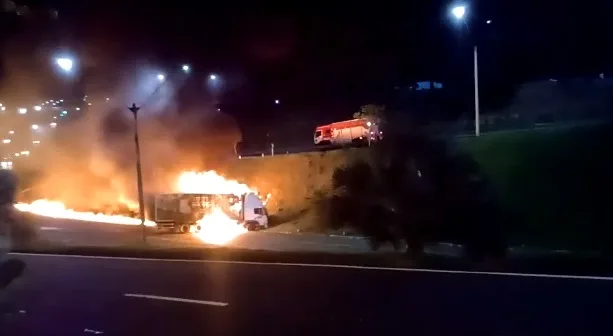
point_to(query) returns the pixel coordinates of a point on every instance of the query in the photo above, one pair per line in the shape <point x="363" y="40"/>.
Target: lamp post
<point x="139" y="174"/>
<point x="459" y="12"/>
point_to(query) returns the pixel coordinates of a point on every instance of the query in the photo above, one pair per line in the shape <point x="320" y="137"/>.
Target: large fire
<point x="215" y="227"/>
<point x="55" y="209"/>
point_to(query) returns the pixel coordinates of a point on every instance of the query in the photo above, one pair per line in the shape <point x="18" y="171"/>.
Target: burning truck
<point x="179" y="212"/>
<point x="206" y="204"/>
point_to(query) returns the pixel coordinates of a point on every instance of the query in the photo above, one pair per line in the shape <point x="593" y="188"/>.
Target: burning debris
<point x="197" y="193"/>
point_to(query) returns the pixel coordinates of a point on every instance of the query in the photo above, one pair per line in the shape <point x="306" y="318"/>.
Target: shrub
<point x="415" y="189"/>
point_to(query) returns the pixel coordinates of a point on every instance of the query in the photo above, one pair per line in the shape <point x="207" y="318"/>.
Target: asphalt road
<point x="79" y="233"/>
<point x="88" y="296"/>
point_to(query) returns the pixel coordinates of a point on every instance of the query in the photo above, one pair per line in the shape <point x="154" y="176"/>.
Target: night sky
<point x="322" y="58"/>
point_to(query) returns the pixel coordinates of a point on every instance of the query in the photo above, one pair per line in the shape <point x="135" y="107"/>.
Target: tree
<point x="372" y="112"/>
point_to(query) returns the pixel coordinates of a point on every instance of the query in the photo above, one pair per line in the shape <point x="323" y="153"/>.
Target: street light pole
<point x="476" y="75"/>
<point x="459" y="13"/>
<point x="139" y="174"/>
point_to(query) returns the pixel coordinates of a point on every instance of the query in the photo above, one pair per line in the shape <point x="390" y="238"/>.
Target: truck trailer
<point x="180" y="212"/>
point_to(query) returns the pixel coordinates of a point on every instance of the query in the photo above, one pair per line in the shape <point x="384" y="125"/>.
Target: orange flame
<point x="55" y="209"/>
<point x="215" y="227"/>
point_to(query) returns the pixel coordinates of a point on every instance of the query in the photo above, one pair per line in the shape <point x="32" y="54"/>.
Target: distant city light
<point x="89" y="104"/>
<point x="6" y="141"/>
<point x="35" y="127"/>
<point x="161" y="77"/>
<point x="78" y="109"/>
<point x="2" y="108"/>
<point x="37" y="108"/>
<point x="277" y="101"/>
<point x="107" y="99"/>
<point x="25" y="152"/>
<point x="53" y="125"/>
<point x="213" y="77"/>
<point x="22" y="110"/>
<point x="11" y="132"/>
<point x="36" y="142"/>
<point x="488" y="21"/>
<point x="185" y="68"/>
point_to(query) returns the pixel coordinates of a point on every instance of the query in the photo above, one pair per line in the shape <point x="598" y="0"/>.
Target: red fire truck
<point x="347" y="132"/>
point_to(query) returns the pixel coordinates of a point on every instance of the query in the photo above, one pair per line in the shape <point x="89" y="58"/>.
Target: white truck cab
<point x="254" y="215"/>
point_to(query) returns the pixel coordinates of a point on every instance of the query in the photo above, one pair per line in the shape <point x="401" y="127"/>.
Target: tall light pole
<point x="459" y="12"/>
<point x="139" y="173"/>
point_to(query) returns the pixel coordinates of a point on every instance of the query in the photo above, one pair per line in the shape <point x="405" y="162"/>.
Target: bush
<point x="414" y="189"/>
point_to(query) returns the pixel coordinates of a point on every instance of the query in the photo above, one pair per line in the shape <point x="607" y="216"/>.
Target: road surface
<point x="87" y="296"/>
<point x="79" y="233"/>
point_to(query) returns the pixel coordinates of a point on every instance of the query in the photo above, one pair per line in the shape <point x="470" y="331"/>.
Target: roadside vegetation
<point x="541" y="189"/>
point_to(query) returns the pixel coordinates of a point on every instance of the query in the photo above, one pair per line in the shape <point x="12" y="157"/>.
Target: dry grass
<point x="293" y="180"/>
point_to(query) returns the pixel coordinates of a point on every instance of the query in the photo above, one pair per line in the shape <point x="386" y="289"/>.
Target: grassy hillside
<point x="553" y="185"/>
<point x="556" y="185"/>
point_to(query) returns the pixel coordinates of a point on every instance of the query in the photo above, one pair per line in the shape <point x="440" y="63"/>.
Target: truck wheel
<point x="251" y="226"/>
<point x="184" y="228"/>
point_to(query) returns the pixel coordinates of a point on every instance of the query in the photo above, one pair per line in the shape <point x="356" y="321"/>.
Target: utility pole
<point x="476" y="66"/>
<point x="139" y="173"/>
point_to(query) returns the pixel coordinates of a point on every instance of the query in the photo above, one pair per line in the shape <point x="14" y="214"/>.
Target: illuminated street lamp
<point x="37" y="108"/>
<point x="213" y="77"/>
<point x="6" y="141"/>
<point x="459" y="13"/>
<point x="2" y="108"/>
<point x="139" y="173"/>
<point x="277" y="101"/>
<point x="35" y="127"/>
<point x="64" y="63"/>
<point x="22" y="110"/>
<point x="186" y="68"/>
<point x="161" y="77"/>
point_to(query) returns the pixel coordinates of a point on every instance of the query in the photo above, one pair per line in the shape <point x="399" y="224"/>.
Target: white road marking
<point x="373" y="268"/>
<point x="176" y="299"/>
<point x="50" y="228"/>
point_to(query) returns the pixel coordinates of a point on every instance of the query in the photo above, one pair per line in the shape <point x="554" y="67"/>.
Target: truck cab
<point x="254" y="215"/>
<point x="322" y="135"/>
